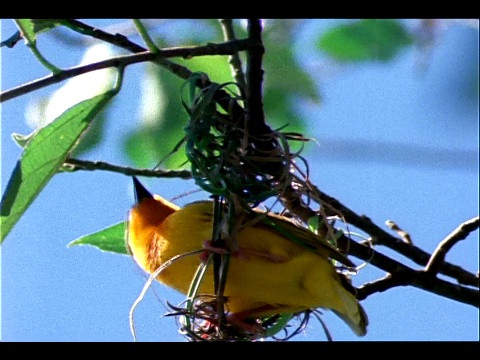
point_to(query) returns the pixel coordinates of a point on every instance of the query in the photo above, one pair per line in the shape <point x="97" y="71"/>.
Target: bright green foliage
<point x="285" y="80"/>
<point x="110" y="239"/>
<point x="22" y="140"/>
<point x="94" y="135"/>
<point x="29" y="32"/>
<point x="162" y="127"/>
<point x="43" y="155"/>
<point x="32" y="27"/>
<point x="365" y="40"/>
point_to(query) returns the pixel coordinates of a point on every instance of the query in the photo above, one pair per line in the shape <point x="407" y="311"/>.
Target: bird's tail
<point x="357" y="319"/>
<point x="352" y="312"/>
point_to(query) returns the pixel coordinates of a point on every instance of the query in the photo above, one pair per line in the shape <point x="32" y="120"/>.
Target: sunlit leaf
<point x="22" y="140"/>
<point x="110" y="239"/>
<point x="43" y="25"/>
<point x="42" y="110"/>
<point x="216" y="67"/>
<point x="365" y="40"/>
<point x="285" y="81"/>
<point x="43" y="155"/>
<point x="163" y="118"/>
<point x="26" y="26"/>
<point x="94" y="135"/>
<point x="284" y="72"/>
<point x="31" y="27"/>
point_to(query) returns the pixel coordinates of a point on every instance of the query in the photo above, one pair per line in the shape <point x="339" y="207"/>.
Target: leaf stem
<point x="32" y="44"/>
<point x="145" y="36"/>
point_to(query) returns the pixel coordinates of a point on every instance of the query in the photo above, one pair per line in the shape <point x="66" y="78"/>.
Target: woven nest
<point x="199" y="321"/>
<point x="240" y="170"/>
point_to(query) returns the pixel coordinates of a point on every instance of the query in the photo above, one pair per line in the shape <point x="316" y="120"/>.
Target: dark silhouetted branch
<point x="76" y="164"/>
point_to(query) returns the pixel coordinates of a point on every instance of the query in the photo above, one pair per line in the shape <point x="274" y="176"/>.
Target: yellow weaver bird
<point x="271" y="274"/>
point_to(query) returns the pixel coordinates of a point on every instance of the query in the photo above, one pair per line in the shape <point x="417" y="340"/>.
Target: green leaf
<point x="110" y="239"/>
<point x="28" y="30"/>
<point x="161" y="123"/>
<point x="284" y="72"/>
<point x="216" y="67"/>
<point x="365" y="40"/>
<point x="43" y="156"/>
<point x="164" y="119"/>
<point x="43" y="25"/>
<point x="31" y="27"/>
<point x="285" y="80"/>
<point x="94" y="135"/>
<point x="27" y="26"/>
<point x="280" y="324"/>
<point x="22" y="140"/>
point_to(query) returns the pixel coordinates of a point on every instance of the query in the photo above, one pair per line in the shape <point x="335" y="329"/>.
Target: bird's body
<point x="270" y="275"/>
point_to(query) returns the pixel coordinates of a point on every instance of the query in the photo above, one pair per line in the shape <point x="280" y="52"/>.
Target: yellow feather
<point x="271" y="274"/>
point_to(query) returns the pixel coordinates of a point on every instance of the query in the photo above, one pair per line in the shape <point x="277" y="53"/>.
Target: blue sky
<point x="395" y="142"/>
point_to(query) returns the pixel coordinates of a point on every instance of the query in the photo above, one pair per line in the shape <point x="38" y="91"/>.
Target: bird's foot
<point x="209" y="248"/>
<point x="242" y="253"/>
<point x="240" y="322"/>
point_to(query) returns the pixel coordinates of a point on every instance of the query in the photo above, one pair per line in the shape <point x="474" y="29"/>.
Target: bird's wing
<point x="286" y="228"/>
<point x="303" y="237"/>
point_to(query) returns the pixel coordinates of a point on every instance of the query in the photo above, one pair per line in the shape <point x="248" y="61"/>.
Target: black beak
<point x="140" y="191"/>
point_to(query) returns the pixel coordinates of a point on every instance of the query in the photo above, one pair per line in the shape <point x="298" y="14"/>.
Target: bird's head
<point x="145" y="218"/>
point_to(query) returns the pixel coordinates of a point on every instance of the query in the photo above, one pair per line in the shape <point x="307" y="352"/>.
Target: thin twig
<point x="421" y="280"/>
<point x="402" y="233"/>
<point x="76" y="165"/>
<point x="119" y="40"/>
<point x="399" y="274"/>
<point x="72" y="72"/>
<point x="32" y="44"/>
<point x="292" y="200"/>
<point x="460" y="233"/>
<point x="125" y="60"/>
<point x="383" y="284"/>
<point x="234" y="60"/>
<point x="402" y="275"/>
<point x="381" y="237"/>
<point x="12" y="40"/>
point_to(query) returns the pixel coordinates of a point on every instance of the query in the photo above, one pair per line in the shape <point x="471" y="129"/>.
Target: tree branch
<point x="421" y="280"/>
<point x="255" y="119"/>
<point x="381" y="237"/>
<point x="234" y="60"/>
<point x="72" y="72"/>
<point x="125" y="60"/>
<point x="460" y="233"/>
<point x="399" y="274"/>
<point x="119" y="40"/>
<point x="123" y="42"/>
<point x="222" y="98"/>
<point x="72" y="165"/>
